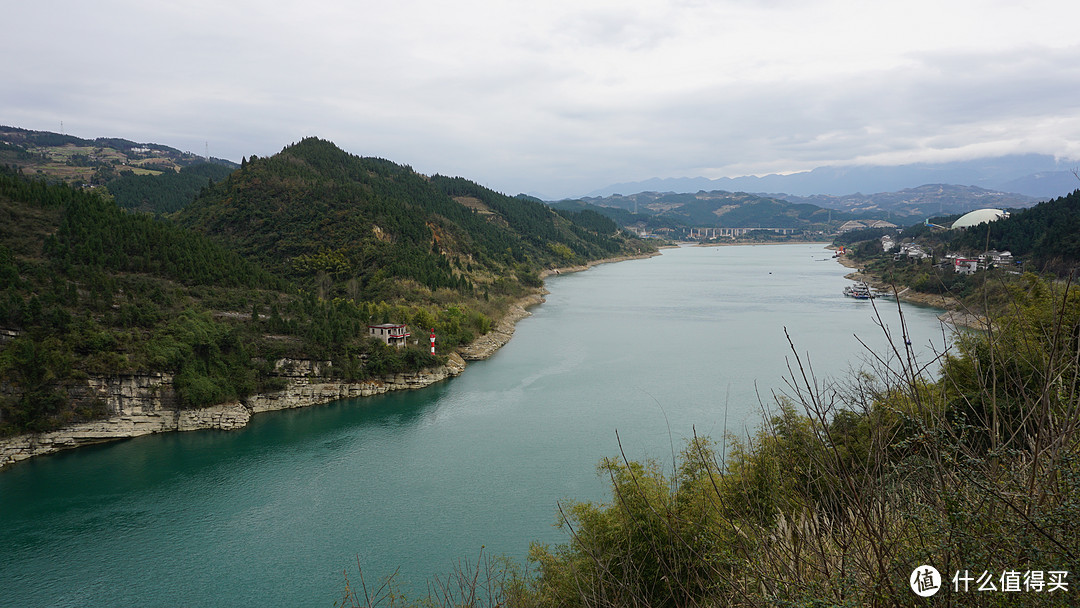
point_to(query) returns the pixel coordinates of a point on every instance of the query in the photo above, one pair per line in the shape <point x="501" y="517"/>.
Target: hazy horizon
<point x="561" y="98"/>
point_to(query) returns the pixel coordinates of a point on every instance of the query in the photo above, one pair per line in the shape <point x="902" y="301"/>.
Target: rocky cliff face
<point x="146" y="403"/>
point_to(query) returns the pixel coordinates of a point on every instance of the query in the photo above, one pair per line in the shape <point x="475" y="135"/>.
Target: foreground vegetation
<point x="844" y="492"/>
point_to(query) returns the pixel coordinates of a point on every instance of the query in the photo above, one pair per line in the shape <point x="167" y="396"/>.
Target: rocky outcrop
<point x="7" y="335"/>
<point x="146" y="403"/>
<point x="307" y="388"/>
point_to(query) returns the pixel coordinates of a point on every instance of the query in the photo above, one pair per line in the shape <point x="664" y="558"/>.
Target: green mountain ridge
<point x="317" y="214"/>
<point x="722" y="209"/>
<point x="80" y="161"/>
<point x="716" y="209"/>
<point x="143" y="176"/>
<point x="290" y="256"/>
<point x="923" y="201"/>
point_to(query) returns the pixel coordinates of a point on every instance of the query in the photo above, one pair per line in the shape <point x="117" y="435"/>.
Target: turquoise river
<point x="271" y="515"/>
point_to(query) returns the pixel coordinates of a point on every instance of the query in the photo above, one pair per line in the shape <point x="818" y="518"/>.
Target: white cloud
<point x="559" y="97"/>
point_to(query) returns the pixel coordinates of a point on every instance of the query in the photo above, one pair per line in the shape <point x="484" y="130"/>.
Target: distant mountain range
<point x="924" y="201"/>
<point x="722" y="209"/>
<point x="716" y="209"/>
<point x="1036" y="175"/>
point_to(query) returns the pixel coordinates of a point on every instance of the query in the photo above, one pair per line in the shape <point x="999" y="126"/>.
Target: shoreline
<point x="580" y="267"/>
<point x="755" y="243"/>
<point x="144" y="404"/>
<point x="141" y="405"/>
<point x="955" y="313"/>
<point x="488" y="344"/>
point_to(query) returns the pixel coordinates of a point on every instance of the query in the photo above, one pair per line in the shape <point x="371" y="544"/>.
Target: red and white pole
<point x="433" y="340"/>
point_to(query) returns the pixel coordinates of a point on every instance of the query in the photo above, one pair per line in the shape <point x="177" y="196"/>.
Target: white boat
<point x="859" y="291"/>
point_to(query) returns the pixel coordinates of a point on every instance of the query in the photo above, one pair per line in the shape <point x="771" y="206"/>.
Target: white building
<point x="911" y="250"/>
<point x="390" y="333"/>
<point x="860" y="224"/>
<point x="965" y="265"/>
<point x="998" y="258"/>
<point x="979" y="216"/>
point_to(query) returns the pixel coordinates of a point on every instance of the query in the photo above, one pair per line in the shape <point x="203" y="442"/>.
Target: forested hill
<point x="98" y="162"/>
<point x="167" y="192"/>
<point x="87" y="289"/>
<point x="654" y="210"/>
<point x="1048" y="234"/>
<point x="141" y="176"/>
<point x="290" y="256"/>
<point x="370" y="229"/>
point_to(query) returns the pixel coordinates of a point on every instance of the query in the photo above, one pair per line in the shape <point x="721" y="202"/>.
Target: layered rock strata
<point x="146" y="403"/>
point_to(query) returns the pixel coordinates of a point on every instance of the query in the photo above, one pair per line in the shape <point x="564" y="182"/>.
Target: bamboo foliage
<point x="851" y="485"/>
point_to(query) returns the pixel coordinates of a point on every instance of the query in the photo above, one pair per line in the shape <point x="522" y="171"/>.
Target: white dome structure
<point x="979" y="216"/>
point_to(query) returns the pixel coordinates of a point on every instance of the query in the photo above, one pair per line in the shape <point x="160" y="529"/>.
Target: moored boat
<point x="859" y="291"/>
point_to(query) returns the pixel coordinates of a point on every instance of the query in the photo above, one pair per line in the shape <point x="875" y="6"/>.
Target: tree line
<point x="165" y="193"/>
<point x="88" y="288"/>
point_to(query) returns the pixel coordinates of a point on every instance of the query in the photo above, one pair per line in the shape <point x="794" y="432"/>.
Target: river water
<point x="272" y="514"/>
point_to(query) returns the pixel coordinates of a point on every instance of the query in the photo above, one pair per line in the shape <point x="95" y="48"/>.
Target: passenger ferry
<point x="859" y="291"/>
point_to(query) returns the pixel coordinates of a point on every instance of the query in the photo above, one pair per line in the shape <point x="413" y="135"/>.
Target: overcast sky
<point x="557" y="97"/>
